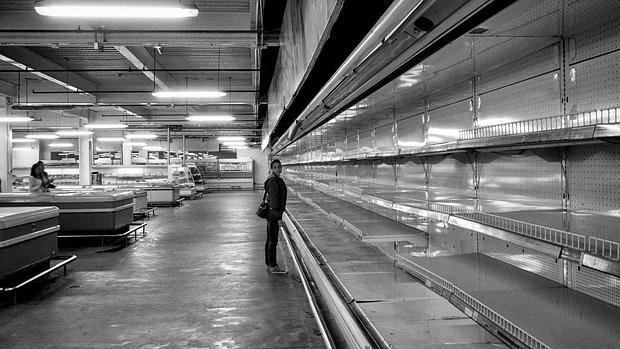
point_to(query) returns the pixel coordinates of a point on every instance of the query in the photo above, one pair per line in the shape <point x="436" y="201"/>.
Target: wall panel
<point x="410" y="132"/>
<point x="451" y="172"/>
<point x="593" y="173"/>
<point x="526" y="177"/>
<point x="410" y="174"/>
<point x="446" y="122"/>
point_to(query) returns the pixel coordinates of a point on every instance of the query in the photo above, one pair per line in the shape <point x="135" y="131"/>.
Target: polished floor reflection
<point x="197" y="280"/>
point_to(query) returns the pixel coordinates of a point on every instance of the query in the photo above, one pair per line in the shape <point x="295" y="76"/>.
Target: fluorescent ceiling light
<point x="74" y="133"/>
<point x="135" y="144"/>
<point x="15" y="119"/>
<point x="61" y="145"/>
<point x="42" y="136"/>
<point x="210" y="118"/>
<point x="153" y="147"/>
<point x="111" y="139"/>
<point x="23" y="140"/>
<point x="231" y="139"/>
<point x="232" y="144"/>
<point x="141" y="136"/>
<point x="102" y="126"/>
<point x="189" y="94"/>
<point x="58" y="9"/>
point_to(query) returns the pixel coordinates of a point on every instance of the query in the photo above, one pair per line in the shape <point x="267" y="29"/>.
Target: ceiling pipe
<point x="129" y="70"/>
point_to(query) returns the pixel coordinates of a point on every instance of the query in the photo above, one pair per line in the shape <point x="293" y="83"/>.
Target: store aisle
<point x="197" y="280"/>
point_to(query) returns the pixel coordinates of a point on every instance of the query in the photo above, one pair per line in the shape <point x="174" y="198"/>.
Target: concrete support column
<point x="86" y="158"/>
<point x="168" y="142"/>
<point x="184" y="152"/>
<point x="5" y="150"/>
<point x="126" y="152"/>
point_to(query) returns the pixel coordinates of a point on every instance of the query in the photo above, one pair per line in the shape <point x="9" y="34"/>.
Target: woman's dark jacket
<point x="276" y="194"/>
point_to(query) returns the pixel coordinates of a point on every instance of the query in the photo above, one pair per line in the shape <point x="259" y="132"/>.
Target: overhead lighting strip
<point x="60" y="9"/>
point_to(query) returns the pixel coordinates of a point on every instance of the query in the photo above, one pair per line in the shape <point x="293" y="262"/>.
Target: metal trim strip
<point x="30" y="236"/>
<point x="96" y="210"/>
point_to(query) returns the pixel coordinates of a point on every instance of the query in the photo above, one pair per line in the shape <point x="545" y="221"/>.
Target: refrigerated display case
<point x="227" y="174"/>
<point x="28" y="238"/>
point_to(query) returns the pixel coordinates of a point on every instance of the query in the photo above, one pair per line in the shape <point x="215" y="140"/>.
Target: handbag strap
<point x="266" y="188"/>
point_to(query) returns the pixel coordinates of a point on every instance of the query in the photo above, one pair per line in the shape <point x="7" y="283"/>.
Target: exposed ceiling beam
<point x="28" y="58"/>
<point x="149" y="38"/>
<point x="141" y="59"/>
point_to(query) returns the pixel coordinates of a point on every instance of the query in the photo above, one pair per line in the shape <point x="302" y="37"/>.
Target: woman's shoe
<point x="277" y="270"/>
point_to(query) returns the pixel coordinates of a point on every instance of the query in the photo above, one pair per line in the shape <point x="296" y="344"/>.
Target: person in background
<point x="276" y="197"/>
<point x="39" y="181"/>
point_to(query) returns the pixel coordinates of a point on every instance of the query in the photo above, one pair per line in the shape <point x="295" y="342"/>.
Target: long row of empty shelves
<point x="518" y="289"/>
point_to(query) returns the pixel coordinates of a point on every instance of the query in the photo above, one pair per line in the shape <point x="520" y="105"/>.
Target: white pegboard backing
<point x="340" y="147"/>
<point x="590" y="20"/>
<point x="594" y="178"/>
<point x="594" y="83"/>
<point x="527" y="18"/>
<point x="366" y="141"/>
<point x="447" y="72"/>
<point x="508" y="60"/>
<point x="384" y="174"/>
<point x="528" y="177"/>
<point x="350" y="172"/>
<point x="385" y="138"/>
<point x="363" y="121"/>
<point x="446" y="122"/>
<point x="341" y="172"/>
<point x="365" y="172"/>
<point x="534" y="98"/>
<point x="449" y="92"/>
<point x="410" y="174"/>
<point x="384" y="116"/>
<point x="410" y="103"/>
<point x="453" y="172"/>
<point x="448" y="240"/>
<point x="352" y="144"/>
<point x="410" y="132"/>
<point x="522" y="258"/>
<point x="503" y="61"/>
<point x="593" y="80"/>
<point x="596" y="284"/>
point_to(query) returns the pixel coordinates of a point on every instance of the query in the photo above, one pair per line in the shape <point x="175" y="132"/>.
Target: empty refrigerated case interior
<point x="496" y="154"/>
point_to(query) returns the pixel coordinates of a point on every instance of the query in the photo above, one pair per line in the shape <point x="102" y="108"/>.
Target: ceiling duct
<point x="403" y="37"/>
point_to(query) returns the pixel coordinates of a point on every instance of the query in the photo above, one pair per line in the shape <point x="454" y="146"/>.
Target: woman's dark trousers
<point x="272" y="240"/>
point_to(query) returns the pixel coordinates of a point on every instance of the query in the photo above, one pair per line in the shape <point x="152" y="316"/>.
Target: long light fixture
<point x="42" y="136"/>
<point x="110" y="139"/>
<point x="60" y="145"/>
<point x="105" y="126"/>
<point x="74" y="133"/>
<point x="135" y="144"/>
<point x="233" y="144"/>
<point x="66" y="9"/>
<point x="231" y="138"/>
<point x="210" y="118"/>
<point x="15" y="119"/>
<point x="189" y="94"/>
<point x="153" y="147"/>
<point x="140" y="136"/>
<point x="23" y="140"/>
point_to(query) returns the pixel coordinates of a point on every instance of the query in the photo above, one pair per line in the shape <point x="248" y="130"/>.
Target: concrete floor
<point x="197" y="280"/>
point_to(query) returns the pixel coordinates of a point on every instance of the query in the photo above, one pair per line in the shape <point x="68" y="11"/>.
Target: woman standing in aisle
<point x="276" y="197"/>
<point x="38" y="181"/>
